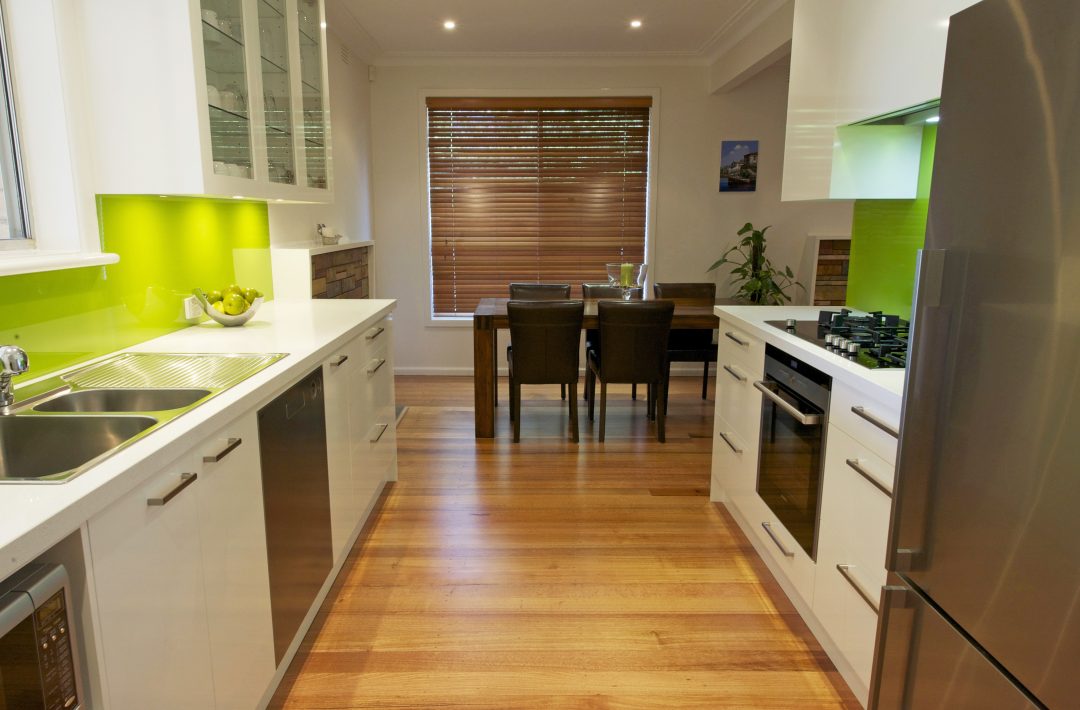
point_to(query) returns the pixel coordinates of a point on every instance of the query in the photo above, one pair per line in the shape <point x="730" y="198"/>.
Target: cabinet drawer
<point x="376" y="338"/>
<point x="870" y="419"/>
<point x="778" y="545"/>
<point x="734" y="461"/>
<point x="735" y="345"/>
<point x="737" y="402"/>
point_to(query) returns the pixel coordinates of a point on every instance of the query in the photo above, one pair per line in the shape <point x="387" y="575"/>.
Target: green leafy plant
<point x="760" y="283"/>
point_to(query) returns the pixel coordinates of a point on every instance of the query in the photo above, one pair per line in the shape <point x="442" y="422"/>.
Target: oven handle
<point x="805" y="419"/>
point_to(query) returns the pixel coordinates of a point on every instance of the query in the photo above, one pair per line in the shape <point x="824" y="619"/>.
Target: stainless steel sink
<point x="123" y="400"/>
<point x="63" y="425"/>
<point x="51" y="448"/>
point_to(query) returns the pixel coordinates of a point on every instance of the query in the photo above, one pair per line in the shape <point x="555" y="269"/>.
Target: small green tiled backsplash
<point x="886" y="236"/>
<point x="167" y="246"/>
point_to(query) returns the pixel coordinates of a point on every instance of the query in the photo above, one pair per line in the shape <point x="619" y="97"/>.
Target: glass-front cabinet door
<point x="227" y="87"/>
<point x="277" y="91"/>
<point x="315" y="122"/>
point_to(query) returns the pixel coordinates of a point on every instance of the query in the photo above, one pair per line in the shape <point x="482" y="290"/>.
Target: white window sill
<point x="29" y="262"/>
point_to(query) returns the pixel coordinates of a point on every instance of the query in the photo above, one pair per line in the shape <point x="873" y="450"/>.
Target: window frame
<point x="8" y="86"/>
<point x="461" y="321"/>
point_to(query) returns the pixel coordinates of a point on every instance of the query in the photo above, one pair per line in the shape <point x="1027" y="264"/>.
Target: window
<point x="13" y="222"/>
<point x="541" y="190"/>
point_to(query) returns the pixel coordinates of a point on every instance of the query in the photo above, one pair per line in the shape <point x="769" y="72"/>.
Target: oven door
<point x="789" y="470"/>
<point x="20" y="675"/>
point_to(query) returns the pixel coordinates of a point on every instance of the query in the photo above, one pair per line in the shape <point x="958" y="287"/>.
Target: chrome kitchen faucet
<point x="13" y="361"/>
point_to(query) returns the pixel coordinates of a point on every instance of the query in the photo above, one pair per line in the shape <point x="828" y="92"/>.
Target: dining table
<point x="490" y="317"/>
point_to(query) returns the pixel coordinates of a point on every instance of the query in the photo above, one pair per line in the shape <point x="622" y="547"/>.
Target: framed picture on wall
<point x="738" y="166"/>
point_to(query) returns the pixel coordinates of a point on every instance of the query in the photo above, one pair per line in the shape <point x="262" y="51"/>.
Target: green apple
<point x="218" y="306"/>
<point x="251" y="294"/>
<point x="235" y="304"/>
<point x="232" y="288"/>
<point x="214" y="296"/>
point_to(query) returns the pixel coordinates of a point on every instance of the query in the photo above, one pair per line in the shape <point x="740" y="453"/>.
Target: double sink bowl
<point x="78" y="419"/>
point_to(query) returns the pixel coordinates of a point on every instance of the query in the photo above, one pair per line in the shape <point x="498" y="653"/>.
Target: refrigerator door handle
<point x="893" y="649"/>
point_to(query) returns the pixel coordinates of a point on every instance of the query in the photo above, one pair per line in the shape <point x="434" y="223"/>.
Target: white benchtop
<point x="889" y="384"/>
<point x="314" y="248"/>
<point x="34" y="517"/>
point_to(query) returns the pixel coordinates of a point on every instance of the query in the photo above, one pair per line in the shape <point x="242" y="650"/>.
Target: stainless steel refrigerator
<point x="982" y="606"/>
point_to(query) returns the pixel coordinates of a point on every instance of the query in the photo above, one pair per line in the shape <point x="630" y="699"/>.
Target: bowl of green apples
<point x="231" y="306"/>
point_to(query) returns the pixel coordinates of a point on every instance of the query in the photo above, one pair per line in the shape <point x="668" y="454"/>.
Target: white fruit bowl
<point x="223" y="318"/>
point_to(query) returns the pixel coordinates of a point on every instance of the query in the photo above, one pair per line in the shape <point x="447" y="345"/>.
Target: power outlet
<point x="192" y="309"/>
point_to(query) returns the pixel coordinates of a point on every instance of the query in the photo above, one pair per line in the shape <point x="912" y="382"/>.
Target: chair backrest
<point x="545" y="337"/>
<point x="635" y="337"/>
<point x="539" y="292"/>
<point x="691" y="294"/>
<point x="609" y="291"/>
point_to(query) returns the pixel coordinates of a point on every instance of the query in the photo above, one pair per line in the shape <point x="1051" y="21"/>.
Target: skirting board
<point x="861" y="692"/>
<point x="677" y="369"/>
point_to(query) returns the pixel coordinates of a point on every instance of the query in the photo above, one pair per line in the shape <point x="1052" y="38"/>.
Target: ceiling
<point x="678" y="29"/>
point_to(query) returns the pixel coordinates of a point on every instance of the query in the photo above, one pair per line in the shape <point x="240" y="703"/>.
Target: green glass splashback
<point x="167" y="246"/>
<point x="886" y="236"/>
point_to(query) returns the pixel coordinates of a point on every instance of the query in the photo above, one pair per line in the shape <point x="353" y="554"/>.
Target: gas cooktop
<point x="872" y="340"/>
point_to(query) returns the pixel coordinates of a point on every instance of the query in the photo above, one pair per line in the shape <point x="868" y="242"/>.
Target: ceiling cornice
<point x="752" y="14"/>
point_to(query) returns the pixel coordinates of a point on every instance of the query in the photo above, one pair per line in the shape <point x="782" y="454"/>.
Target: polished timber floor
<point x="552" y="575"/>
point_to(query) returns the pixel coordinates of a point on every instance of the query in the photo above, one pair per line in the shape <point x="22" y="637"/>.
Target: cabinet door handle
<point x="230" y="446"/>
<point x="380" y="363"/>
<point x="768" y="531"/>
<point x="734" y="374"/>
<point x="186" y="479"/>
<point x="382" y="430"/>
<point x="729" y="442"/>
<point x="876" y="421"/>
<point x="856" y="465"/>
<point x="845" y="572"/>
<point x="377" y="333"/>
<point x="341" y="360"/>
<point x="734" y="337"/>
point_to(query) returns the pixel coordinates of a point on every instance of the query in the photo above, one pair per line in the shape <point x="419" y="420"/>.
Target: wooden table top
<point x="491" y="312"/>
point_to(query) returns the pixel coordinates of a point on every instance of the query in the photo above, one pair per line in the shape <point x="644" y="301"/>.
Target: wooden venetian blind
<point x="533" y="190"/>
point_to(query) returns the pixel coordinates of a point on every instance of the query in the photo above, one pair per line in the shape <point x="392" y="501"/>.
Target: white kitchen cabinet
<point x="869" y="418"/>
<point x="852" y="539"/>
<point x="360" y="429"/>
<point x="208" y="97"/>
<point x="851" y="61"/>
<point x="232" y="531"/>
<point x="148" y="574"/>
<point x="737" y="418"/>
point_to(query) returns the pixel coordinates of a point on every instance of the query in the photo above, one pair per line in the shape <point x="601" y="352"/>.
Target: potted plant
<point x="760" y="283"/>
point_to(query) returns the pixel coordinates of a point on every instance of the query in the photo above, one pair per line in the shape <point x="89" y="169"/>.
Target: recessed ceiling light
<point x="449" y="25"/>
<point x="635" y="24"/>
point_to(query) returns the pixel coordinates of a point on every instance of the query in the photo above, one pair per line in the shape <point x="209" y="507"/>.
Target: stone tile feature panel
<point x="830" y="286"/>
<point x="341" y="274"/>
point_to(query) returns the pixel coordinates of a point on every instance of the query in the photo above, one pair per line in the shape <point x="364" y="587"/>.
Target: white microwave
<point x="38" y="669"/>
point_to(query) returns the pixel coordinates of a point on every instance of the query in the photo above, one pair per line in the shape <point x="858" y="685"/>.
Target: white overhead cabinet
<point x="208" y="97"/>
<point x="851" y="61"/>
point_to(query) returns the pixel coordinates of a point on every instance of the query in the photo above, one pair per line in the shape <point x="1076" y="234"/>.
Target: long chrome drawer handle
<point x="186" y="479"/>
<point x="802" y="418"/>
<point x="341" y="360"/>
<point x="734" y="337"/>
<point x="734" y="374"/>
<point x="377" y="333"/>
<point x="856" y="465"/>
<point x="230" y="446"/>
<point x="845" y="572"/>
<point x="382" y="430"/>
<point x="729" y="442"/>
<point x="879" y="423"/>
<point x="775" y="539"/>
<point x="380" y="363"/>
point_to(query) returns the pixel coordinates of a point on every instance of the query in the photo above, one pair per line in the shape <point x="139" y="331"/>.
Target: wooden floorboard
<point x="552" y="575"/>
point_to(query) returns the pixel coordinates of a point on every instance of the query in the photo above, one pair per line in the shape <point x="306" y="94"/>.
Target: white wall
<point x="694" y="222"/>
<point x="350" y="126"/>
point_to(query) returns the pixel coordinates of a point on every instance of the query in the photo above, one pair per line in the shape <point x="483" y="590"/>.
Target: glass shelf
<point x="227" y="87"/>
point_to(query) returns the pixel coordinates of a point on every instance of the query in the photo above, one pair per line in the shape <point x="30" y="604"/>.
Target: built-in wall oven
<point x="37" y="656"/>
<point x="794" y="409"/>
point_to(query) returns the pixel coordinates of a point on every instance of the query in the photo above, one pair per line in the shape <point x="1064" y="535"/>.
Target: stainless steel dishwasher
<point x="296" y="498"/>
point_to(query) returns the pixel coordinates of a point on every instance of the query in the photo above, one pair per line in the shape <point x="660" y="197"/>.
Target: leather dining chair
<point x="690" y="345"/>
<point x="536" y="292"/>
<point x="592" y="335"/>
<point x="635" y="335"/>
<point x="545" y="336"/>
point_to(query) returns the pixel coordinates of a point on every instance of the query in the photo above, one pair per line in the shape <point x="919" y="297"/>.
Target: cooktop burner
<point x="873" y="340"/>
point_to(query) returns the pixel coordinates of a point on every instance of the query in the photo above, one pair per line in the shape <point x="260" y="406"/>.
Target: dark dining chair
<point x="690" y="345"/>
<point x="635" y="335"/>
<point x="534" y="292"/>
<point x="592" y="335"/>
<point x="545" y="336"/>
